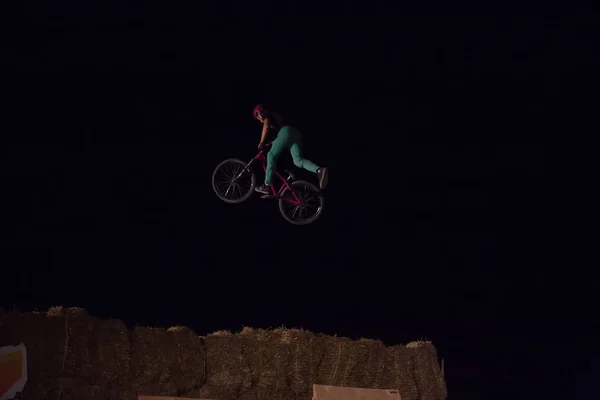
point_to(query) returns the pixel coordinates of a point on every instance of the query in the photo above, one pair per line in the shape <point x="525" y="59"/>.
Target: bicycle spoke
<point x="227" y="184"/>
<point x="227" y="191"/>
<point x="295" y="210"/>
<point x="238" y="189"/>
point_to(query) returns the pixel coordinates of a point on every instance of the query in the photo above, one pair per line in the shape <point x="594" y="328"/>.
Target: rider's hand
<point x="261" y="146"/>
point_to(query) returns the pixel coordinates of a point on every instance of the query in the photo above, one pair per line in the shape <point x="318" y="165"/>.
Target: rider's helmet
<point x="260" y="109"/>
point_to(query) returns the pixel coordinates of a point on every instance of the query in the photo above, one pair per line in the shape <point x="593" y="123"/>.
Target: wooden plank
<point x="324" y="392"/>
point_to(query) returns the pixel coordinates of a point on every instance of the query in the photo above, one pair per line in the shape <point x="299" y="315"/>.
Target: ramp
<point x="323" y="392"/>
<point x="13" y="370"/>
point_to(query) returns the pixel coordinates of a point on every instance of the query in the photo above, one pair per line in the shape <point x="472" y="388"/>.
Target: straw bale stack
<point x="74" y="356"/>
<point x="228" y="374"/>
<point x="428" y="377"/>
<point x="167" y="362"/>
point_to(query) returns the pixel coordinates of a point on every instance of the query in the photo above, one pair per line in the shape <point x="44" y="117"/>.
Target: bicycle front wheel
<point x="232" y="182"/>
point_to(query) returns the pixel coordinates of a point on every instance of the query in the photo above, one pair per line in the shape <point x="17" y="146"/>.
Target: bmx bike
<point x="300" y="202"/>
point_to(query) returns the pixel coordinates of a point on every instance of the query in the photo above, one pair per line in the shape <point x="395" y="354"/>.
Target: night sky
<point x="434" y="130"/>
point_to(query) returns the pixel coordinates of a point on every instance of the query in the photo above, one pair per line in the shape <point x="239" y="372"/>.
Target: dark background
<point x="433" y="129"/>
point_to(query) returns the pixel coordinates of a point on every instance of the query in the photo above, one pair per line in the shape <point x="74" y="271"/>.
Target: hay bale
<point x="428" y="376"/>
<point x="376" y="364"/>
<point x="332" y="355"/>
<point x="111" y="348"/>
<point x="268" y="357"/>
<point x="167" y="362"/>
<point x="301" y="367"/>
<point x="97" y="353"/>
<point x="330" y="360"/>
<point x="351" y="363"/>
<point x="387" y="377"/>
<point x="404" y="373"/>
<point x="228" y="374"/>
<point x="366" y="364"/>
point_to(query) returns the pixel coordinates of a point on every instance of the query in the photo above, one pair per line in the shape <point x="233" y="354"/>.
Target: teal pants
<point x="288" y="138"/>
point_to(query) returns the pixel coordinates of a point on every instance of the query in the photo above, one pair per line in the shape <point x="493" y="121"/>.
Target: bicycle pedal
<point x="267" y="196"/>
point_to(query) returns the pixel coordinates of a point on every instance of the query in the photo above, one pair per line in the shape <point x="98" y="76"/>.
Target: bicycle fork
<point x="245" y="169"/>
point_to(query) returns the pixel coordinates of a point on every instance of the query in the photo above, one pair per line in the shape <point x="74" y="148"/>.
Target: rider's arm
<point x="265" y="130"/>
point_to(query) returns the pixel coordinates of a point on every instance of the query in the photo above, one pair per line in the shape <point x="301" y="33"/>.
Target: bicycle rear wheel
<point x="308" y="206"/>
<point x="232" y="183"/>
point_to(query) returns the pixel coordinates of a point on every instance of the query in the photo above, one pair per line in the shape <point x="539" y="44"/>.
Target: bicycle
<point x="296" y="197"/>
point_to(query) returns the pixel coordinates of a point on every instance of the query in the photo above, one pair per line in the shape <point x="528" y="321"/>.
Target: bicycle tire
<point x="295" y="185"/>
<point x="249" y="191"/>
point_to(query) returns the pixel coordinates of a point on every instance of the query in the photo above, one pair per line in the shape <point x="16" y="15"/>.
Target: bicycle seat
<point x="290" y="173"/>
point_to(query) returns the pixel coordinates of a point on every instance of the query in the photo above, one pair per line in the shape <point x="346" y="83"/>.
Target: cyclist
<point x="288" y="138"/>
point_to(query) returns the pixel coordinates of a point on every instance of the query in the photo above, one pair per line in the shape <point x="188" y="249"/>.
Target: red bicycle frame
<point x="276" y="193"/>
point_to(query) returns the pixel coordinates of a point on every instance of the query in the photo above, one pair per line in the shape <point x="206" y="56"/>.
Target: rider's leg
<point x="296" y="151"/>
<point x="301" y="162"/>
<point x="278" y="146"/>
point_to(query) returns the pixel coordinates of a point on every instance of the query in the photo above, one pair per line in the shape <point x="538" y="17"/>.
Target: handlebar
<point x="266" y="146"/>
<point x="261" y="151"/>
